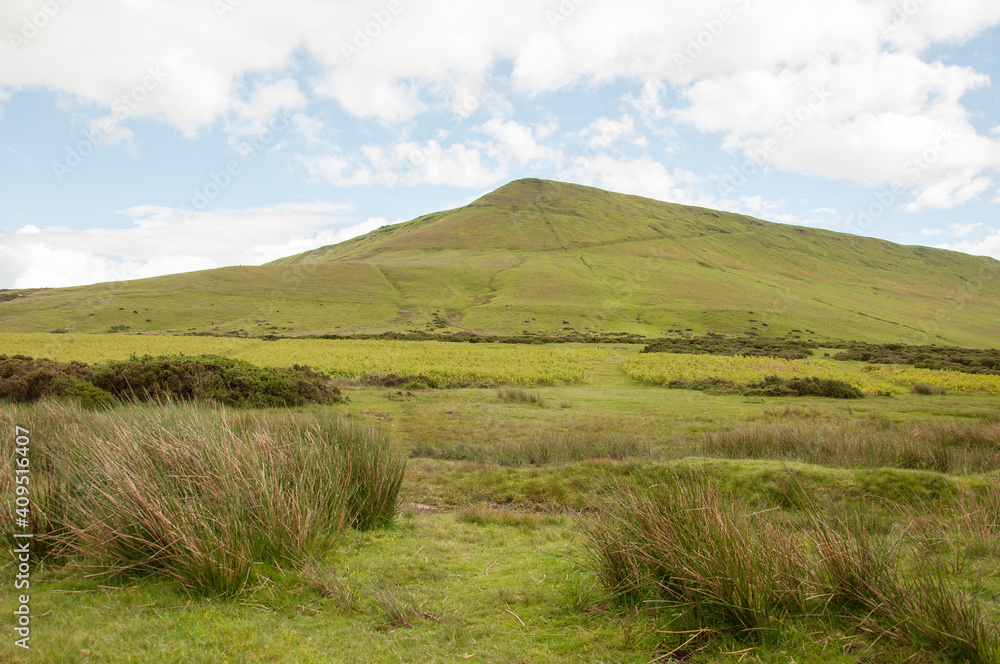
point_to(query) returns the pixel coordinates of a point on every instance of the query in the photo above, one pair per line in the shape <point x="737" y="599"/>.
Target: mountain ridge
<point x="543" y="256"/>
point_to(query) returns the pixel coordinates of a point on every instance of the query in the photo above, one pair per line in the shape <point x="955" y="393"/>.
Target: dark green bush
<point x="967" y="360"/>
<point x="24" y="379"/>
<point x="212" y="378"/>
<point x="751" y="346"/>
<point x="203" y="378"/>
<point x="774" y="386"/>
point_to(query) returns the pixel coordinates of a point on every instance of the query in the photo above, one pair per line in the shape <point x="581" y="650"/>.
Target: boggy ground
<point x="493" y="555"/>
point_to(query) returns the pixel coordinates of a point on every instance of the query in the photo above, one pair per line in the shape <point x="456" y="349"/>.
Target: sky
<point x="148" y="137"/>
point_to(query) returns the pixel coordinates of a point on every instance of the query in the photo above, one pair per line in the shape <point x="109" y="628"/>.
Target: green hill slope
<point x="537" y="255"/>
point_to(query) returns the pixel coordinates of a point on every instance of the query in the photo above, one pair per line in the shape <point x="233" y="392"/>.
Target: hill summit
<point x="541" y="256"/>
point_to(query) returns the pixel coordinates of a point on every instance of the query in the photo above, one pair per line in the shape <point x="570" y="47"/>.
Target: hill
<point x="537" y="255"/>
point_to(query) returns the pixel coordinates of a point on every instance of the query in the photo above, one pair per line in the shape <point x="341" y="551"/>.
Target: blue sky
<point x="155" y="137"/>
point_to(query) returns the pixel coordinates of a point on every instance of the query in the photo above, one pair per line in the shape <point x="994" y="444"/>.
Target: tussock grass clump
<point x="934" y="615"/>
<point x="856" y="565"/>
<point x="330" y="585"/>
<point x="200" y="494"/>
<point x="398" y="608"/>
<point x="715" y="563"/>
<point x="733" y="566"/>
<point x="519" y="395"/>
<point x="924" y="388"/>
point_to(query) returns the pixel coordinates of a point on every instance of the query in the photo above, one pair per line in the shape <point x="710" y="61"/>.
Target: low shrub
<point x="966" y="360"/>
<point x="212" y="378"/>
<point x="179" y="378"/>
<point x="924" y="388"/>
<point x="751" y="345"/>
<point x="775" y="386"/>
<point x="26" y="379"/>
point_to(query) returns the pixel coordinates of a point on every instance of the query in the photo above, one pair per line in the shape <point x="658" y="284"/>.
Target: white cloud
<point x="883" y="118"/>
<point x="642" y="177"/>
<point x="648" y="102"/>
<point x="956" y="229"/>
<point x="886" y="103"/>
<point x="953" y="189"/>
<point x="988" y="246"/>
<point x="406" y="164"/>
<point x="842" y="90"/>
<point x="476" y="163"/>
<point x="339" y="170"/>
<point x="516" y="142"/>
<point x="371" y="94"/>
<point x="250" y="118"/>
<point x="164" y="240"/>
<point x="311" y="129"/>
<point x="604" y="132"/>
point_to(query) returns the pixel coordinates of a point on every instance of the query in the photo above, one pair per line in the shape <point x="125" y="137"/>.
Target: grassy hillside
<point x="540" y="256"/>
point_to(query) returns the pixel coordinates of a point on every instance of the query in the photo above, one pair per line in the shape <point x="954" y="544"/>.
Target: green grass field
<point x="508" y="499"/>
<point x="445" y="363"/>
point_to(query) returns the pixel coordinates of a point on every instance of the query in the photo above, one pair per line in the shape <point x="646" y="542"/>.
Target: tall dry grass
<point x="948" y="447"/>
<point x="733" y="566"/>
<point x="722" y="564"/>
<point x="199" y="493"/>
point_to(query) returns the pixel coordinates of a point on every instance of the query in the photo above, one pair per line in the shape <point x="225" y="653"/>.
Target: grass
<point x="542" y="451"/>
<point x="461" y="573"/>
<point x="752" y="375"/>
<point x="200" y="495"/>
<point x="845" y="531"/>
<point x="518" y="395"/>
<point x="717" y="564"/>
<point x="423" y="364"/>
<point x="948" y="447"/>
